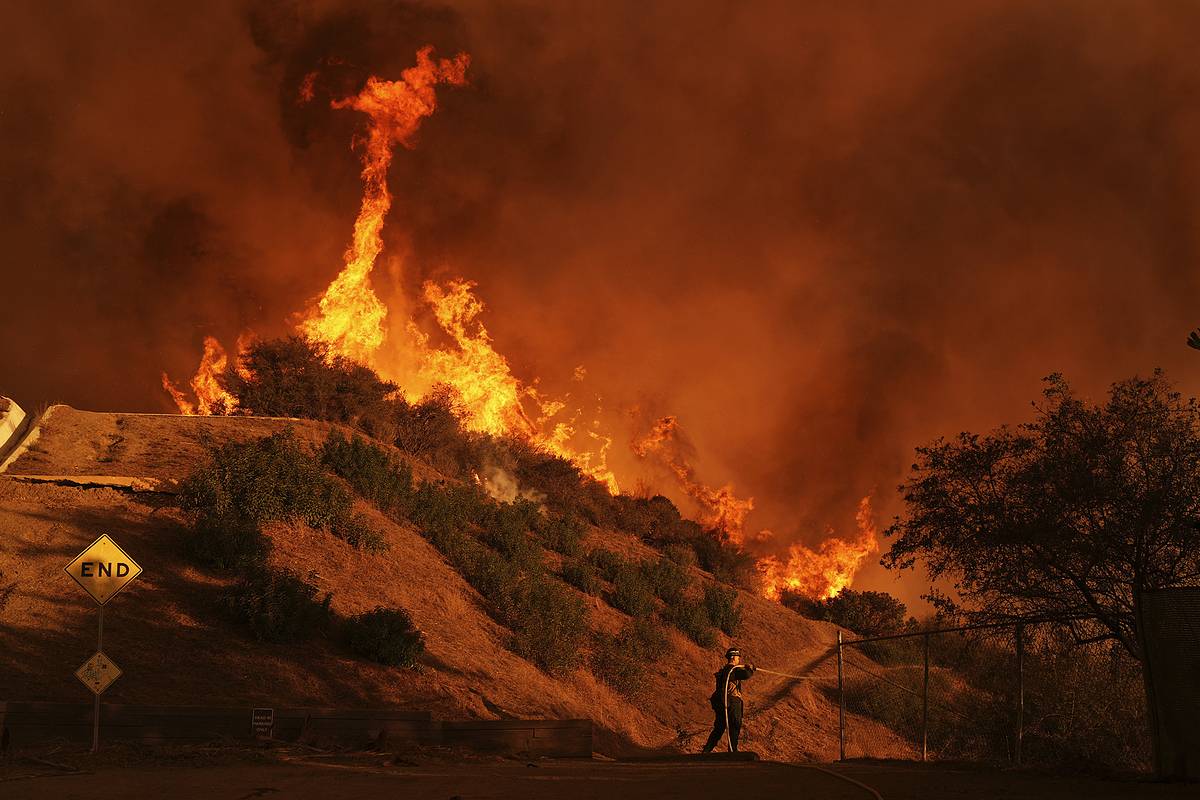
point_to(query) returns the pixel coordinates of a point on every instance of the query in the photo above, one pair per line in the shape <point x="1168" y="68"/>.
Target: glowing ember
<point x="720" y="508"/>
<point x="822" y="573"/>
<point x="210" y="397"/>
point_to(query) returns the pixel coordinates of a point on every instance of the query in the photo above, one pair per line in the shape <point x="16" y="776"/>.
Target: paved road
<point x="559" y="780"/>
<point x="568" y="780"/>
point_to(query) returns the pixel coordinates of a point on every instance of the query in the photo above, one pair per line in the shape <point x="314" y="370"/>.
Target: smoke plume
<point x="815" y="235"/>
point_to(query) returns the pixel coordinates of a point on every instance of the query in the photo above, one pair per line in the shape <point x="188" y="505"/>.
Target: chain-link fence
<point x="1000" y="693"/>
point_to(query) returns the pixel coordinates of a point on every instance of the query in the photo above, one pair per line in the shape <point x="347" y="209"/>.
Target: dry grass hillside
<point x="72" y="483"/>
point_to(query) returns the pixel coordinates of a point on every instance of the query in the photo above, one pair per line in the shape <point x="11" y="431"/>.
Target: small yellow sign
<point x="98" y="673"/>
<point x="103" y="569"/>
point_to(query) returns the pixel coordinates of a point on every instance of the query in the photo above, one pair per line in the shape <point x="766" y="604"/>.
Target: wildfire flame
<point x="210" y="397"/>
<point x="822" y="573"/>
<point x="349" y="316"/>
<point x="720" y="508"/>
<point x="351" y="320"/>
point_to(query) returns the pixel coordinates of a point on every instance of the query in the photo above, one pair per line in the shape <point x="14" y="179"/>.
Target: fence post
<point x="925" y="706"/>
<point x="841" y="703"/>
<point x="1020" y="693"/>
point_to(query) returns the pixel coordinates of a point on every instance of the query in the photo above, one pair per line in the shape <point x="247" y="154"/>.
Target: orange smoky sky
<point x="818" y="234"/>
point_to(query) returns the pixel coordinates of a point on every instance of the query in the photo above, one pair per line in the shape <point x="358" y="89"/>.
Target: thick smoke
<point x="817" y="235"/>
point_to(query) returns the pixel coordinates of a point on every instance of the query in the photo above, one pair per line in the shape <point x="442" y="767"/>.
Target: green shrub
<point x="621" y="660"/>
<point x="562" y="533"/>
<point x="691" y="617"/>
<point x="372" y="472"/>
<point x="681" y="554"/>
<point x="436" y="507"/>
<point x="227" y="542"/>
<point x="267" y="479"/>
<point x="278" y="605"/>
<point x="387" y="636"/>
<point x="582" y="575"/>
<point x="492" y="575"/>
<point x="549" y="623"/>
<point x="296" y="377"/>
<point x="251" y="483"/>
<point x="722" y="608"/>
<point x="666" y="579"/>
<point x="505" y="527"/>
<point x="727" y="562"/>
<point x="432" y="431"/>
<point x="358" y="533"/>
<point x="607" y="562"/>
<point x="631" y="592"/>
<point x="866" y="613"/>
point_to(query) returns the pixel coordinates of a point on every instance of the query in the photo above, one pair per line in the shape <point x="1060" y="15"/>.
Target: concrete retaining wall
<point x="12" y="420"/>
<point x="24" y="724"/>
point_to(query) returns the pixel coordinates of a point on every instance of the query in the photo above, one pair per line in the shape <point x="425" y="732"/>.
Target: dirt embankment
<point x="175" y="647"/>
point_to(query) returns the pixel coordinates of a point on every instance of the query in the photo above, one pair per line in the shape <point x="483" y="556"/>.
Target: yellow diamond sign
<point x="98" y="673"/>
<point x="103" y="569"/>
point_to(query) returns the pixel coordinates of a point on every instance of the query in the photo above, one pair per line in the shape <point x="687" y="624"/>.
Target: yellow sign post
<point x="103" y="569"/>
<point x="98" y="673"/>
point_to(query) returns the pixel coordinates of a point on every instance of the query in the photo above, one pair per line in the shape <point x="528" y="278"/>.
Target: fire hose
<point x="786" y="675"/>
<point x="725" y="695"/>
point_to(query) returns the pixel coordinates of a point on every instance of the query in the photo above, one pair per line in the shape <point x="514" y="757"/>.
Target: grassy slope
<point x="165" y="633"/>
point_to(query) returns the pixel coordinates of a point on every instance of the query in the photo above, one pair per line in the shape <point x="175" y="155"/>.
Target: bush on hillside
<point x="631" y="591"/>
<point x="370" y="470"/>
<point x="581" y="574"/>
<point x="681" y="554"/>
<point x="562" y="533"/>
<point x="506" y="528"/>
<point x="386" y="636"/>
<point x="272" y="478"/>
<point x="866" y="613"/>
<point x="566" y="488"/>
<point x="548" y="621"/>
<point x="666" y="579"/>
<point x="356" y="531"/>
<point x="277" y="605"/>
<point x="691" y="617"/>
<point x="621" y="660"/>
<point x="227" y="542"/>
<point x="727" y="562"/>
<point x="655" y="519"/>
<point x="252" y="483"/>
<point x="436" y="508"/>
<point x="549" y="624"/>
<point x="607" y="562"/>
<point x="722" y="608"/>
<point x="432" y="431"/>
<point x="296" y="377"/>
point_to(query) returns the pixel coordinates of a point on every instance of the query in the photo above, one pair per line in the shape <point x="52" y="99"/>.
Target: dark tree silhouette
<point x="1070" y="517"/>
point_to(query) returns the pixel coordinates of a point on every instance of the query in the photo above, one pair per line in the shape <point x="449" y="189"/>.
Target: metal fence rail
<point x="964" y="693"/>
<point x="880" y="666"/>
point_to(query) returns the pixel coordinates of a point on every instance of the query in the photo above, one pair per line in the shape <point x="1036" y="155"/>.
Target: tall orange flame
<point x="349" y="316"/>
<point x="351" y="320"/>
<point x="822" y="573"/>
<point x="720" y="508"/>
<point x="211" y="398"/>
